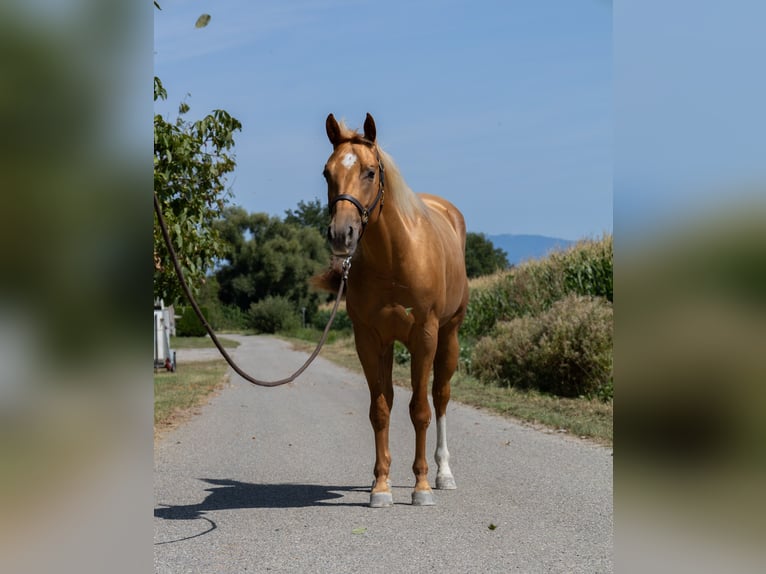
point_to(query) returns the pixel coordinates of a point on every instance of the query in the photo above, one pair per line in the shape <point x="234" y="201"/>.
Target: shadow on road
<point x="232" y="494"/>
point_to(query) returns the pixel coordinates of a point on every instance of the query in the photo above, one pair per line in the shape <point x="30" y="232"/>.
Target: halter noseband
<point x="364" y="212"/>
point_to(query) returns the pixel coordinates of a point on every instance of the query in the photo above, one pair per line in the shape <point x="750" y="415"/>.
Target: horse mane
<point x="410" y="206"/>
<point x="407" y="201"/>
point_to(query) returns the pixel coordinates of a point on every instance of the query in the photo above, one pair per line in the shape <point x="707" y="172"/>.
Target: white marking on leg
<point x="444" y="478"/>
<point x="442" y="454"/>
<point x="348" y="160"/>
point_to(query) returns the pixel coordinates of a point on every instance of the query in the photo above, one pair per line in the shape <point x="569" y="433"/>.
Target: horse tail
<point x="327" y="281"/>
<point x="331" y="279"/>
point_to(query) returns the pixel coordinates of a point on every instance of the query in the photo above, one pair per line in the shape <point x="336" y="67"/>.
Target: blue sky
<point x="504" y="108"/>
<point x="690" y="109"/>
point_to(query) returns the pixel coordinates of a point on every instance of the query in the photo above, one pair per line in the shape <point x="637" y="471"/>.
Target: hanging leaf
<point x="202" y="21"/>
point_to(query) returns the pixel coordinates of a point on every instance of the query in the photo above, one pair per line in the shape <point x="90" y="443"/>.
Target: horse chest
<point x="392" y="318"/>
<point x="395" y="322"/>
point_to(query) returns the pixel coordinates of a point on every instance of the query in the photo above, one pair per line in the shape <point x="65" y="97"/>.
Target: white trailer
<point x="164" y="327"/>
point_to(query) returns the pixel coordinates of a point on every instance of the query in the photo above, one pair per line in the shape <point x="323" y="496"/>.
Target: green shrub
<point x="465" y="358"/>
<point x="484" y="307"/>
<point x="342" y="321"/>
<point x="226" y="317"/>
<point x="232" y="318"/>
<point x="566" y="350"/>
<point x="401" y="354"/>
<point x="588" y="268"/>
<point x="273" y="314"/>
<point x="189" y="324"/>
<point x="532" y="287"/>
<point x="525" y="290"/>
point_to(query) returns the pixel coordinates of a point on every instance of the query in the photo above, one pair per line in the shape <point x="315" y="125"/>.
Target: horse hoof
<point x="423" y="498"/>
<point x="381" y="500"/>
<point x="445" y="482"/>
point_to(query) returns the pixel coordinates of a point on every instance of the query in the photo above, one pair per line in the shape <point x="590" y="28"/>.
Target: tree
<point x="267" y="257"/>
<point x="482" y="257"/>
<point x="191" y="160"/>
<point x="312" y="214"/>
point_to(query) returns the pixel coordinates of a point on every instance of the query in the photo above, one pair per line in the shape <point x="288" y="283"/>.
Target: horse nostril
<point x="330" y="234"/>
<point x="349" y="235"/>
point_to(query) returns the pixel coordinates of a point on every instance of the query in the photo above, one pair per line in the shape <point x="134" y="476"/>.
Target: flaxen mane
<point x="409" y="204"/>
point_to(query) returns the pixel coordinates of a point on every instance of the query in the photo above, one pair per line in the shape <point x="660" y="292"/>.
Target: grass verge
<point x="176" y="395"/>
<point x="591" y="419"/>
<point x="200" y="343"/>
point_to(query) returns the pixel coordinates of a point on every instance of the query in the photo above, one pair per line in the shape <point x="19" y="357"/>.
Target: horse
<point x="406" y="282"/>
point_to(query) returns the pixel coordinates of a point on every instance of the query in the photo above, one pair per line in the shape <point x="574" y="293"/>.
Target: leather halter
<point x="364" y="212"/>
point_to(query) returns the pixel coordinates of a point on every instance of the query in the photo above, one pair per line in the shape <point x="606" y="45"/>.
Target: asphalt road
<point x="277" y="480"/>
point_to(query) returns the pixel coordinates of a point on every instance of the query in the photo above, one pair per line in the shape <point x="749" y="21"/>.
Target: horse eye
<point x="371" y="174"/>
<point x="326" y="173"/>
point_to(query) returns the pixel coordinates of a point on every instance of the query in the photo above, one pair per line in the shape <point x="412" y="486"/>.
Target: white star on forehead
<point x="348" y="160"/>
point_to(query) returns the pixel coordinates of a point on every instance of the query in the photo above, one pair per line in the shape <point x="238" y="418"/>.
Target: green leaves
<point x="269" y="257"/>
<point x="310" y="214"/>
<point x="481" y="256"/>
<point x="159" y="90"/>
<point x="202" y="21"/>
<point x="191" y="162"/>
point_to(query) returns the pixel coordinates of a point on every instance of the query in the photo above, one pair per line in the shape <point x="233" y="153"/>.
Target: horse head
<point x="355" y="178"/>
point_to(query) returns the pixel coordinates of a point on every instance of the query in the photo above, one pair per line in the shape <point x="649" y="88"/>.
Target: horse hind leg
<point x="445" y="365"/>
<point x="422" y="345"/>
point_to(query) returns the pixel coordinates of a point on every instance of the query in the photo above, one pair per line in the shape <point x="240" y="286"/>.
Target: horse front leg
<point x="423" y="344"/>
<point x="377" y="362"/>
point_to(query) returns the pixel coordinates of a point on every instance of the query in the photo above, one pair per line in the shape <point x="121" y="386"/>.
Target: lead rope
<point x="198" y="311"/>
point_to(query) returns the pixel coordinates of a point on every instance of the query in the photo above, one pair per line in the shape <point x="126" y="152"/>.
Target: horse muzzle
<point x="343" y="236"/>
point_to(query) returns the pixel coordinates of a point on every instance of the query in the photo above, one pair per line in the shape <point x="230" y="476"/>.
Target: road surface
<point x="277" y="480"/>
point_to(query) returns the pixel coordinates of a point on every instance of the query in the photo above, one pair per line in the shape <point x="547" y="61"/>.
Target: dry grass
<point x="200" y="342"/>
<point x="177" y="396"/>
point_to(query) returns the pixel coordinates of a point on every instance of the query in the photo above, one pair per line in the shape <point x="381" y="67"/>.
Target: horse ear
<point x="333" y="130"/>
<point x="369" y="128"/>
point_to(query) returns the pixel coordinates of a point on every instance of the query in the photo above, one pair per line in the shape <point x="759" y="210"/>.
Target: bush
<point x="588" y="268"/>
<point x="525" y="290"/>
<point x="484" y="308"/>
<point x="189" y="324"/>
<point x="226" y="317"/>
<point x="231" y="318"/>
<point x="342" y="321"/>
<point x="273" y="314"/>
<point x="532" y="287"/>
<point x="566" y="350"/>
<point x="401" y="353"/>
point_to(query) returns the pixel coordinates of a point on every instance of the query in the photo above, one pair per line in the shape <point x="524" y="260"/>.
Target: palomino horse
<point x="407" y="282"/>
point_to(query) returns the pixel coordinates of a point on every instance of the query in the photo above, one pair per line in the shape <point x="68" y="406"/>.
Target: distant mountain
<point x="522" y="247"/>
